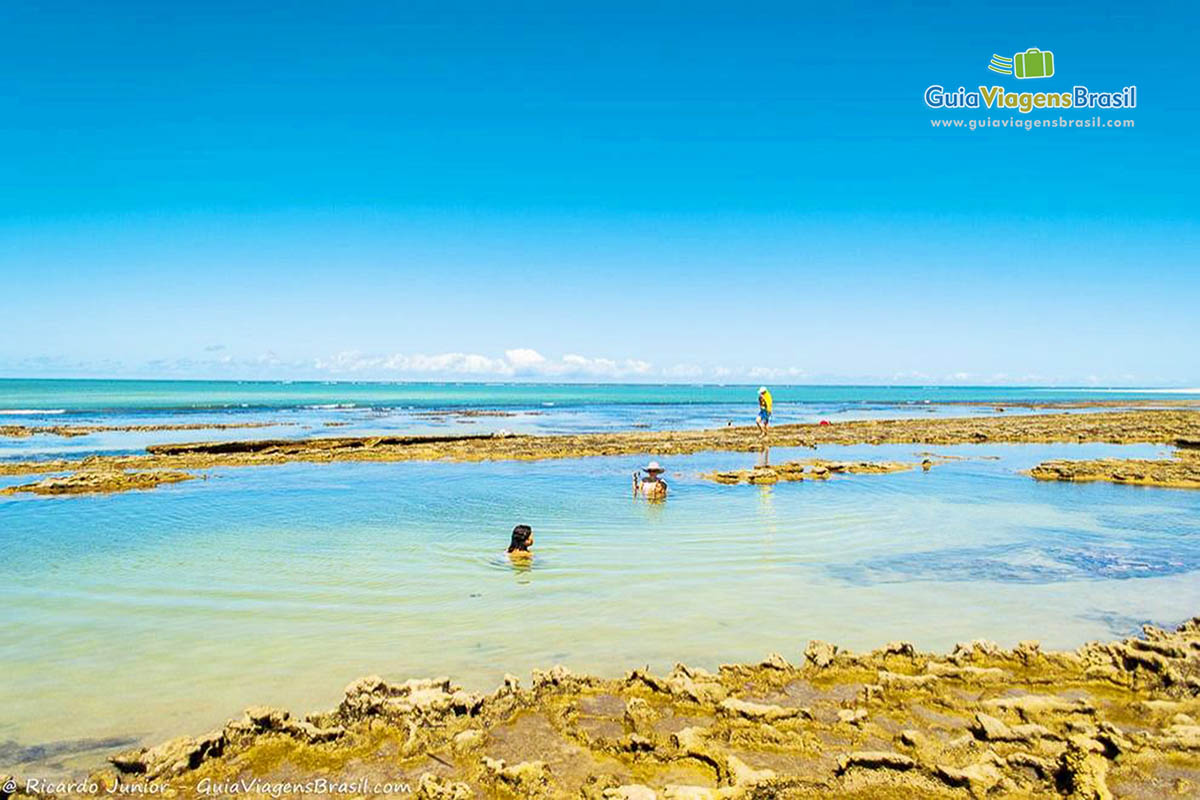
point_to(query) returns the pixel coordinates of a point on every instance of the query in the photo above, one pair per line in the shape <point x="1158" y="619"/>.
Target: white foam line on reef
<point x="1122" y="391"/>
<point x="1172" y="391"/>
<point x="26" y="412"/>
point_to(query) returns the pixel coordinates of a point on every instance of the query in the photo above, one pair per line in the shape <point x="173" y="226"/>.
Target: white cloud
<point x="515" y="364"/>
<point x="573" y="364"/>
<point x="459" y="363"/>
<point x="776" y="373"/>
<point x="525" y="358"/>
<point x="519" y="362"/>
<point x="685" y="371"/>
<point x="351" y="361"/>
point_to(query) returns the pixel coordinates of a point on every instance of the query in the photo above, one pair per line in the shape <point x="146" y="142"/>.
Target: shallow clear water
<point x="145" y="615"/>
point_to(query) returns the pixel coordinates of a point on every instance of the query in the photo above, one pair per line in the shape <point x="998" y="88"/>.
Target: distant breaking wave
<point x="1125" y="391"/>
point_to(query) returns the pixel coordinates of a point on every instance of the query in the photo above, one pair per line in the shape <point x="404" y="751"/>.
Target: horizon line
<point x="1163" y="389"/>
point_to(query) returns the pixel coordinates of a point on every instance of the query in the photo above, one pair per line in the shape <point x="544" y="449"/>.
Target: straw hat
<point x="653" y="467"/>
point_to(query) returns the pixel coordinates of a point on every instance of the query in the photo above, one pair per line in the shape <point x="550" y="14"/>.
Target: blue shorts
<point x="764" y="416"/>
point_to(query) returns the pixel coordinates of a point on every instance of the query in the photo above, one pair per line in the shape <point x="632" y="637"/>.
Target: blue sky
<point x="575" y="191"/>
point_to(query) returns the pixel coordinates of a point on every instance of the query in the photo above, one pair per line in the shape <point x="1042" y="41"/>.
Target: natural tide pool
<point x="140" y="616"/>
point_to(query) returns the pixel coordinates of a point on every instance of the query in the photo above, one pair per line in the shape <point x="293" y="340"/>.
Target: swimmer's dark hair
<point x="520" y="539"/>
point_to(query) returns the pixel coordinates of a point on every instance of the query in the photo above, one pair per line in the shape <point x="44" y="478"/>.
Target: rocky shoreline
<point x="1109" y="719"/>
<point x="1153" y="426"/>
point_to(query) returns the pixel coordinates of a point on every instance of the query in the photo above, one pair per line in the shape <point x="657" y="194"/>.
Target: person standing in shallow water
<point x="521" y="546"/>
<point x="652" y="487"/>
<point x="765" y="404"/>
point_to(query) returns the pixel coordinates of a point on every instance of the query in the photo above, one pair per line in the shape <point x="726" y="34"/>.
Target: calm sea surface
<point x="135" y="617"/>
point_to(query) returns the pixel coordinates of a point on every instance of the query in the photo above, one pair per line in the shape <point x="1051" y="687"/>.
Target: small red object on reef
<point x="824" y="422"/>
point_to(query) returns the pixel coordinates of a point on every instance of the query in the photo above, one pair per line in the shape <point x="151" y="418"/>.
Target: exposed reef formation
<point x="101" y="481"/>
<point x="1115" y="427"/>
<point x="1109" y="719"/>
<point x="475" y="412"/>
<point x="1164" y="401"/>
<point x="25" y="431"/>
<point x="1182" y="472"/>
<point x="815" y="469"/>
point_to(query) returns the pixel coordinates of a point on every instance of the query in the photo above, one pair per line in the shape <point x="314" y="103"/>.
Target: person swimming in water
<point x="522" y="541"/>
<point x="652" y="487"/>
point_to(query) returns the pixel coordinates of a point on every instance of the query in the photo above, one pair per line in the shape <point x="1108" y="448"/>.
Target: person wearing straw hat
<point x="652" y="487"/>
<point x="764" y="410"/>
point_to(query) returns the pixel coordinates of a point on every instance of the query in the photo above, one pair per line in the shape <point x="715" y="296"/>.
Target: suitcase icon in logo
<point x="1033" y="63"/>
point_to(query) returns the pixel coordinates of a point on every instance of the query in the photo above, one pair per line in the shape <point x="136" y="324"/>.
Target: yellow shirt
<point x="764" y="400"/>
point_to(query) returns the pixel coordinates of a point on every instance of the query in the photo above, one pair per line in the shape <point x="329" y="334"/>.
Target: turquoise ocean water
<point x="137" y="395"/>
<point x="135" y="617"/>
